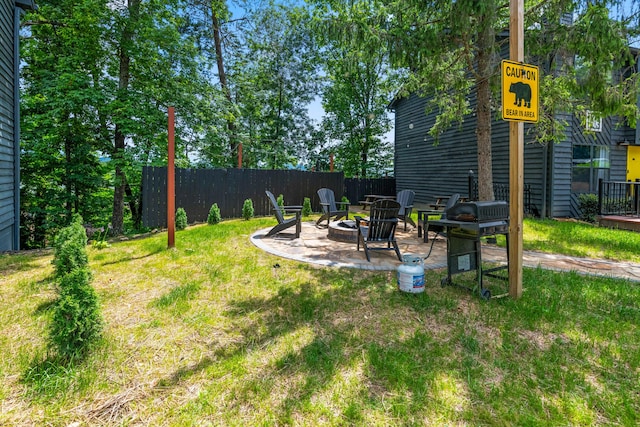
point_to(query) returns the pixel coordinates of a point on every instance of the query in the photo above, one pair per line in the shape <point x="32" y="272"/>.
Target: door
<point x="633" y="162"/>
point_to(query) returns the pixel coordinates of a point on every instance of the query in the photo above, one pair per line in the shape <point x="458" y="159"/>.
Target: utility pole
<point x="516" y="158"/>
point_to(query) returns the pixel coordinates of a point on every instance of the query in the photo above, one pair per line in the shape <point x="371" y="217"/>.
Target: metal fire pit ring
<point x="343" y="231"/>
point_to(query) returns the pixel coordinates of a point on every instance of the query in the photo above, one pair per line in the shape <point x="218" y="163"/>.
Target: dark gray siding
<point x="622" y="136"/>
<point x="7" y="195"/>
<point x="432" y="169"/>
<point x="421" y="165"/>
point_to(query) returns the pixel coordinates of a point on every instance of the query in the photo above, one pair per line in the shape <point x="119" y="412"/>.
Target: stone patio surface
<point x="314" y="247"/>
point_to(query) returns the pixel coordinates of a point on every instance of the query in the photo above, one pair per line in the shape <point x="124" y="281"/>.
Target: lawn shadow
<point x="50" y="376"/>
<point x="337" y="317"/>
<point x="22" y="260"/>
<point x="129" y="257"/>
<point x="45" y="306"/>
<point x="451" y="353"/>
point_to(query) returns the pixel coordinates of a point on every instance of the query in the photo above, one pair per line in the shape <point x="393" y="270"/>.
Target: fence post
<point x="600" y="189"/>
<point x="635" y="196"/>
<point x="171" y="186"/>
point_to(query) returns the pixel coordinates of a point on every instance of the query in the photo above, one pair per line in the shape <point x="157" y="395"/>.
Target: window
<point x="590" y="164"/>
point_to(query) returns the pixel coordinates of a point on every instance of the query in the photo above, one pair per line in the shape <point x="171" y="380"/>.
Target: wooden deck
<point x="621" y="222"/>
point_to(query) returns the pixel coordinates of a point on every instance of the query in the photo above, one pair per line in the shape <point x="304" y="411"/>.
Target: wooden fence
<point x="198" y="189"/>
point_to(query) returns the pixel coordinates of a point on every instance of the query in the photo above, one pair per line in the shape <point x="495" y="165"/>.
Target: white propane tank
<point x="411" y="274"/>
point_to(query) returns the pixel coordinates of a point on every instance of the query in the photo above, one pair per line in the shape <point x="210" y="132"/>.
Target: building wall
<point x="432" y="169"/>
<point x="8" y="222"/>
<point x="442" y="168"/>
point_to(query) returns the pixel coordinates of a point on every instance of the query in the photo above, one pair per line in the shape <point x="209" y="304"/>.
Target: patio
<point x="315" y="247"/>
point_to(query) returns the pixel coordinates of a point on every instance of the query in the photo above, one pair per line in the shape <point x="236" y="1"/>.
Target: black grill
<point x="464" y="225"/>
<point x="479" y="211"/>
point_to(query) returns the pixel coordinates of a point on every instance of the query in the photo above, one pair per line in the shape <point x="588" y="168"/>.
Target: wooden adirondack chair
<point x="379" y="228"/>
<point x="330" y="208"/>
<point x="405" y="198"/>
<point x="285" y="223"/>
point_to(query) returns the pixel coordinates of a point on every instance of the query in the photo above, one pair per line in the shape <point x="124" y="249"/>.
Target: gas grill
<point x="465" y="225"/>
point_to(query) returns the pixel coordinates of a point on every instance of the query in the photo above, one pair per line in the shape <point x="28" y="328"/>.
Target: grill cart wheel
<point x="485" y="294"/>
<point x="445" y="281"/>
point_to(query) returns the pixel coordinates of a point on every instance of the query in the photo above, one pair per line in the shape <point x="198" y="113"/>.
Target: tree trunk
<point x="222" y="75"/>
<point x="483" y="126"/>
<point x="135" y="205"/>
<point x="117" y="217"/>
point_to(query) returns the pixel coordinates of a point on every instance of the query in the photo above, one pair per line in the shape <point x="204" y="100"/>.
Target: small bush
<point x="247" y="209"/>
<point x="70" y="248"/>
<point x="345" y="200"/>
<point x="214" y="215"/>
<point x="181" y="219"/>
<point x="588" y="204"/>
<point x="306" y="207"/>
<point x="280" y="202"/>
<point x="77" y="323"/>
<point x="101" y="241"/>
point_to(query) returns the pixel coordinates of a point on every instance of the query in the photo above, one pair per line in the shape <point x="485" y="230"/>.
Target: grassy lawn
<point x="216" y="332"/>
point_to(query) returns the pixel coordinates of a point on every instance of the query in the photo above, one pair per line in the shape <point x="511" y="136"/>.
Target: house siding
<point x="8" y="222"/>
<point x="432" y="169"/>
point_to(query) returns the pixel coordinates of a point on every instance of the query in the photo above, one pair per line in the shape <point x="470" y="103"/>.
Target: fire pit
<point x="343" y="231"/>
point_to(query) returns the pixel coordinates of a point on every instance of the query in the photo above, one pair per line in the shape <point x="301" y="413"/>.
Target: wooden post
<point x="171" y="183"/>
<point x="240" y="155"/>
<point x="516" y="159"/>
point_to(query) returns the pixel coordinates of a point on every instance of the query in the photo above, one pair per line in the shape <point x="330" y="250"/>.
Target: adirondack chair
<point x="330" y="208"/>
<point x="285" y="223"/>
<point x="405" y="198"/>
<point x="423" y="217"/>
<point x="379" y="228"/>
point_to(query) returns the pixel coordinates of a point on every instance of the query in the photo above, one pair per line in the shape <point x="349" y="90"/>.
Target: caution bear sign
<point x="520" y="87"/>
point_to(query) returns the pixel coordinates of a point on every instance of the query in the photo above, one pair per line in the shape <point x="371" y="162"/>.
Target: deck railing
<point x="618" y="197"/>
<point x="501" y="192"/>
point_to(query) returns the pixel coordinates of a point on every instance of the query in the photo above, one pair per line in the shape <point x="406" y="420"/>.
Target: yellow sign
<point x="520" y="88"/>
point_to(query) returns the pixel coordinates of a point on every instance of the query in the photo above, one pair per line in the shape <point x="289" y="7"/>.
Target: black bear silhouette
<point x="522" y="92"/>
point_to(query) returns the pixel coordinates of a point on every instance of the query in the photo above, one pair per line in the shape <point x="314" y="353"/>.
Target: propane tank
<point x="411" y="274"/>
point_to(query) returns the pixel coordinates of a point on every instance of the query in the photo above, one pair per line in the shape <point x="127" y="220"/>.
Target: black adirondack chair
<point x="405" y="198"/>
<point x="330" y="206"/>
<point x="379" y="228"/>
<point x="423" y="217"/>
<point x="285" y="223"/>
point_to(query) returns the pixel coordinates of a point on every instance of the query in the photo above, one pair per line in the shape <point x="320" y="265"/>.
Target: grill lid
<point x="479" y="211"/>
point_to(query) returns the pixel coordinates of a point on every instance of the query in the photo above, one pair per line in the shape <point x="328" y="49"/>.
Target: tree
<point x="275" y="77"/>
<point x="360" y="86"/>
<point x="61" y="171"/>
<point x="451" y="50"/>
<point x="118" y="69"/>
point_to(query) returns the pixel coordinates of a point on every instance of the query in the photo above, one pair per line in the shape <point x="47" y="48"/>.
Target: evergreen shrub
<point x="214" y="215"/>
<point x="247" y="209"/>
<point x="588" y="204"/>
<point x="306" y="207"/>
<point x="77" y="323"/>
<point x="70" y="251"/>
<point x="280" y="202"/>
<point x="181" y="219"/>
